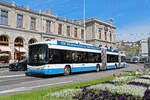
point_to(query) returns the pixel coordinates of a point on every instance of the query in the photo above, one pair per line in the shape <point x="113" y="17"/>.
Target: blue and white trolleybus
<point x="63" y="57"/>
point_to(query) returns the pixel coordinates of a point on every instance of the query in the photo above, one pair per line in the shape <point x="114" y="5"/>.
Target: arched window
<point x="32" y="41"/>
<point x="19" y="42"/>
<point x="4" y="40"/>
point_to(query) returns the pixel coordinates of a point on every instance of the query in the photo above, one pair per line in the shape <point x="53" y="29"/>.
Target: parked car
<point x="18" y="66"/>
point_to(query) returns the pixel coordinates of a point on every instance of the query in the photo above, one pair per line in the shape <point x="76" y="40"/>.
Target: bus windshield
<point x="38" y="54"/>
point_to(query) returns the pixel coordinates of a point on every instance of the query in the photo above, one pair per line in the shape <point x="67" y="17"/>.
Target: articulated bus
<point x="64" y="57"/>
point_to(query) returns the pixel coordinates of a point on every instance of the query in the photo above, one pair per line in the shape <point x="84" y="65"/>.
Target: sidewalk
<point x="4" y="65"/>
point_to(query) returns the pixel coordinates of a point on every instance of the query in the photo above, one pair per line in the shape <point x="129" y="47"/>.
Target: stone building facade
<point x="144" y="48"/>
<point x="100" y="33"/>
<point x="21" y="26"/>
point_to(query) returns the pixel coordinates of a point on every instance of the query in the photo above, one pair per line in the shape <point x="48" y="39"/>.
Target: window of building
<point x="4" y="17"/>
<point x="32" y="41"/>
<point x="110" y="36"/>
<point x="100" y="36"/>
<point x="19" y="42"/>
<point x="75" y="32"/>
<point x="4" y="40"/>
<point x="106" y="36"/>
<point x="68" y="30"/>
<point x="19" y="21"/>
<point x="82" y="34"/>
<point x="48" y="26"/>
<point x="60" y="29"/>
<point x="18" y="54"/>
<point x="33" y="24"/>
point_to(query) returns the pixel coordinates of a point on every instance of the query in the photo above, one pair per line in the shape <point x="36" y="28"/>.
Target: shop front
<point x="5" y="51"/>
<point x="5" y="54"/>
<point x="19" y="49"/>
<point x="20" y="53"/>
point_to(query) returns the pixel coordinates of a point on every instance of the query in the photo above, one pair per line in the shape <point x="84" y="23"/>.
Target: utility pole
<point x="84" y="20"/>
<point x="111" y="30"/>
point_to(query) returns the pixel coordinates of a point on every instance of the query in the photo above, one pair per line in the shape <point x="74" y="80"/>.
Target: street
<point x="15" y="82"/>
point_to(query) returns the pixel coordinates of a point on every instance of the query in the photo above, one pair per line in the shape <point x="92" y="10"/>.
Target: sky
<point x="131" y="17"/>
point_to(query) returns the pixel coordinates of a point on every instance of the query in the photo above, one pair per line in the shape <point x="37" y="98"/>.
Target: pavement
<point x="16" y="82"/>
<point x="4" y="65"/>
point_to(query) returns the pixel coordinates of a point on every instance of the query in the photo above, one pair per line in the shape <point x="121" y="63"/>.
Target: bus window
<point x="75" y="57"/>
<point x="97" y="57"/>
<point x="68" y="57"/>
<point x="112" y="58"/>
<point x="123" y="59"/>
<point x="56" y="56"/>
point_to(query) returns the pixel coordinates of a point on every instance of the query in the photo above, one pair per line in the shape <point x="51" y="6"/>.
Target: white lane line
<point x="30" y="88"/>
<point x="12" y="76"/>
<point x="16" y="79"/>
<point x="14" y="90"/>
<point x="4" y="71"/>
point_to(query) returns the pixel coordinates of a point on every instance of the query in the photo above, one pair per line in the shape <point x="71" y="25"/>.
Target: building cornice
<point x="95" y="20"/>
<point x="19" y="29"/>
<point x="48" y="35"/>
<point x="40" y="33"/>
<point x="100" y="21"/>
<point x="38" y="13"/>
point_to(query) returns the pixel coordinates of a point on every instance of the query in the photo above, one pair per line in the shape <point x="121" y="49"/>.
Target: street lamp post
<point x="111" y="20"/>
<point x="84" y="20"/>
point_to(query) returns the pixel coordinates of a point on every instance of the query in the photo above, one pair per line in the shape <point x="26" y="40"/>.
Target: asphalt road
<point x="15" y="82"/>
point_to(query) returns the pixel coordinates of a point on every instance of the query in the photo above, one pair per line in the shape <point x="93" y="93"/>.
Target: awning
<point x="20" y="49"/>
<point x="4" y="54"/>
<point x="5" y="48"/>
<point x="24" y="55"/>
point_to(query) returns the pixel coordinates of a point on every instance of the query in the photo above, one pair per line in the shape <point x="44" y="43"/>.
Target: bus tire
<point x="115" y="66"/>
<point x="67" y="70"/>
<point x="27" y="74"/>
<point x="97" y="68"/>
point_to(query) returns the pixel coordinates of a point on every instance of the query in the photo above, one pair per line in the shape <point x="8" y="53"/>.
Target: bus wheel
<point x="67" y="71"/>
<point x="97" y="68"/>
<point x="115" y="66"/>
<point x="27" y="74"/>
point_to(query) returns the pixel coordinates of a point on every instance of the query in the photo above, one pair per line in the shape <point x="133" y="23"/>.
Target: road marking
<point x="16" y="79"/>
<point x="12" y="76"/>
<point x="14" y="90"/>
<point x="30" y="88"/>
<point x="4" y="71"/>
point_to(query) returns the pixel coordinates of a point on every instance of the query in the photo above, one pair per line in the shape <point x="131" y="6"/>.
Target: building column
<point x="11" y="45"/>
<point x="0" y="15"/>
<point x="26" y="45"/>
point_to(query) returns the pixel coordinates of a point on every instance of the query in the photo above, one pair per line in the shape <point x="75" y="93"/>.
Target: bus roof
<point x="75" y="45"/>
